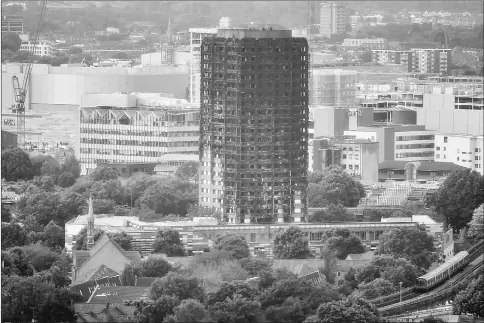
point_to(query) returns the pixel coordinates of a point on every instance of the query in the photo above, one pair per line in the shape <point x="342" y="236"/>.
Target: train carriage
<point x="442" y="272"/>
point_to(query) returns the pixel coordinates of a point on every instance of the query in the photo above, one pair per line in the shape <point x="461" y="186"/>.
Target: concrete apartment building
<point x="452" y="113"/>
<point x="254" y="124"/>
<point x="332" y="122"/>
<point x="463" y="150"/>
<point x="333" y="17"/>
<point x="399" y="142"/>
<point x="369" y="43"/>
<point x="55" y="93"/>
<point x="196" y="37"/>
<point x="420" y="60"/>
<point x="13" y="24"/>
<point x="359" y="157"/>
<point x="332" y="87"/>
<point x="134" y="128"/>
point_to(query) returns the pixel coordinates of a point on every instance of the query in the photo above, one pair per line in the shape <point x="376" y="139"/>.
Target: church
<point x="103" y="258"/>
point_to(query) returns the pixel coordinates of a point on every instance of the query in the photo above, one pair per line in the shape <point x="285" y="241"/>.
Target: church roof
<point x="102" y="272"/>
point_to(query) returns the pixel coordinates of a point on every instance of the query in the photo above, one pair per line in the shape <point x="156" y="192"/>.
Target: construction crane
<point x="20" y="92"/>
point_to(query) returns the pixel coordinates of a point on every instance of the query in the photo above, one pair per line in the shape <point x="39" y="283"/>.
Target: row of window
<point x="412" y="138"/>
<point x="110" y="152"/>
<point x="94" y="141"/>
<point x="415" y="146"/>
<point x="415" y="154"/>
<point x="140" y="132"/>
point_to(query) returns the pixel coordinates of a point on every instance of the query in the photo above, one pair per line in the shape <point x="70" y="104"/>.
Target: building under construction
<point x="254" y="125"/>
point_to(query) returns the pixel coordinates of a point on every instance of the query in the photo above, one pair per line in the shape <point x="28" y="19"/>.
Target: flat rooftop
<point x="256" y="33"/>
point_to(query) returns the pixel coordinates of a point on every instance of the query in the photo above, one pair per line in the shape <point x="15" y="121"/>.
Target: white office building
<point x="463" y="150"/>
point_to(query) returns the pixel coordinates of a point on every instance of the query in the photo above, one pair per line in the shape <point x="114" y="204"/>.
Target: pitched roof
<point x="301" y="270"/>
<point x="133" y="256"/>
<point x="102" y="272"/>
<point x="360" y="256"/>
<point x="117" y="294"/>
<point x="424" y="166"/>
<point x="79" y="257"/>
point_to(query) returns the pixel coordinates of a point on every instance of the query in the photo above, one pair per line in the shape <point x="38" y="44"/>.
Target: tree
<point x="51" y="304"/>
<point x="54" y="236"/>
<point x="45" y="183"/>
<point x="392" y="269"/>
<point x="471" y="299"/>
<point x="460" y="194"/>
<point x="66" y="180"/>
<point x="189" y="310"/>
<point x="333" y="213"/>
<point x="343" y="243"/>
<point x="155" y="312"/>
<point x="476" y="226"/>
<point x="123" y="239"/>
<point x="168" y="241"/>
<point x="13" y="235"/>
<point x="327" y="269"/>
<point x="16" y="165"/>
<point x="155" y="266"/>
<point x="315" y="177"/>
<point x="11" y="42"/>
<point x="174" y="284"/>
<point x="414" y="245"/>
<point x="292" y="310"/>
<point x="44" y="206"/>
<point x="40" y="257"/>
<point x="291" y="244"/>
<point x="374" y="289"/>
<point x="229" y="290"/>
<point x="7" y="54"/>
<point x="102" y="206"/>
<point x="188" y="171"/>
<point x="349" y="310"/>
<point x="255" y="265"/>
<point x="136" y="185"/>
<point x="336" y="187"/>
<point x="20" y="263"/>
<point x="409" y="208"/>
<point x="235" y="310"/>
<point x="50" y="168"/>
<point x="73" y="204"/>
<point x="235" y="244"/>
<point x="110" y="189"/>
<point x="103" y="173"/>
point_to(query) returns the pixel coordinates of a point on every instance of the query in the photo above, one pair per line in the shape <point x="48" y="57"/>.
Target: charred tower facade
<point x="254" y="125"/>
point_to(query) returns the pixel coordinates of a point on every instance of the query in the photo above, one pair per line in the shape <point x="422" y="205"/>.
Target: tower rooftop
<point x="265" y="32"/>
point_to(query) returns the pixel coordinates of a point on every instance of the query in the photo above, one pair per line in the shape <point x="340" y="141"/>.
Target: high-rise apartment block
<point x="333" y="87"/>
<point x="333" y="17"/>
<point x="254" y="125"/>
<point x="196" y="37"/>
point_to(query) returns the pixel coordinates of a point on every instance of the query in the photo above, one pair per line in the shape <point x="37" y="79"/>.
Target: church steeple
<point x="169" y="32"/>
<point x="90" y="225"/>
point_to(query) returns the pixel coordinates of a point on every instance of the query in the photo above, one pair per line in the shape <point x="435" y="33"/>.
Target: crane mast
<point x="20" y="92"/>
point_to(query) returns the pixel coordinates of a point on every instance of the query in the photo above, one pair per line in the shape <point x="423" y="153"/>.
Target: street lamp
<point x="400" y="291"/>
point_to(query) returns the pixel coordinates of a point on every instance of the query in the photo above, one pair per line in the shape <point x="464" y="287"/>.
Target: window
<point x="437" y="156"/>
<point x="476" y="158"/>
<point x="445" y="139"/>
<point x="457" y="158"/>
<point x="476" y="150"/>
<point x="445" y="148"/>
<point x="437" y="148"/>
<point x="252" y="237"/>
<point x="445" y="156"/>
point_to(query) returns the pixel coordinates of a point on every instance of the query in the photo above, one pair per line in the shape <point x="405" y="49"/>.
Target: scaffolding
<point x="254" y="126"/>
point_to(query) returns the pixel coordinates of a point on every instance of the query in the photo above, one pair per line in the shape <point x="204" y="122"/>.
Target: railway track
<point x="409" y="293"/>
<point x="428" y="297"/>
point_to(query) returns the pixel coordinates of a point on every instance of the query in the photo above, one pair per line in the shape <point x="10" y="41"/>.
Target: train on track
<point x="435" y="277"/>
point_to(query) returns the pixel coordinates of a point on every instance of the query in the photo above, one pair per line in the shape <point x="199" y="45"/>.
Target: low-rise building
<point x="399" y="142"/>
<point x="39" y="48"/>
<point x="359" y="157"/>
<point x="463" y="150"/>
<point x="135" y="128"/>
<point x="392" y="170"/>
<point x="369" y="43"/>
<point x="13" y="24"/>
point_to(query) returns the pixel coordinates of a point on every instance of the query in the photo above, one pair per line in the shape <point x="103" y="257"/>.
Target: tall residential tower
<point x="333" y="18"/>
<point x="254" y="125"/>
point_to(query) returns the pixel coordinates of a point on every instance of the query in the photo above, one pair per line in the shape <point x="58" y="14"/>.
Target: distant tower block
<point x="247" y="217"/>
<point x="297" y="206"/>
<point x="280" y="212"/>
<point x="225" y="23"/>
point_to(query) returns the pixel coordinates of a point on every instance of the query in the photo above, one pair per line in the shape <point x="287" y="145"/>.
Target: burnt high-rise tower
<point x="254" y="125"/>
